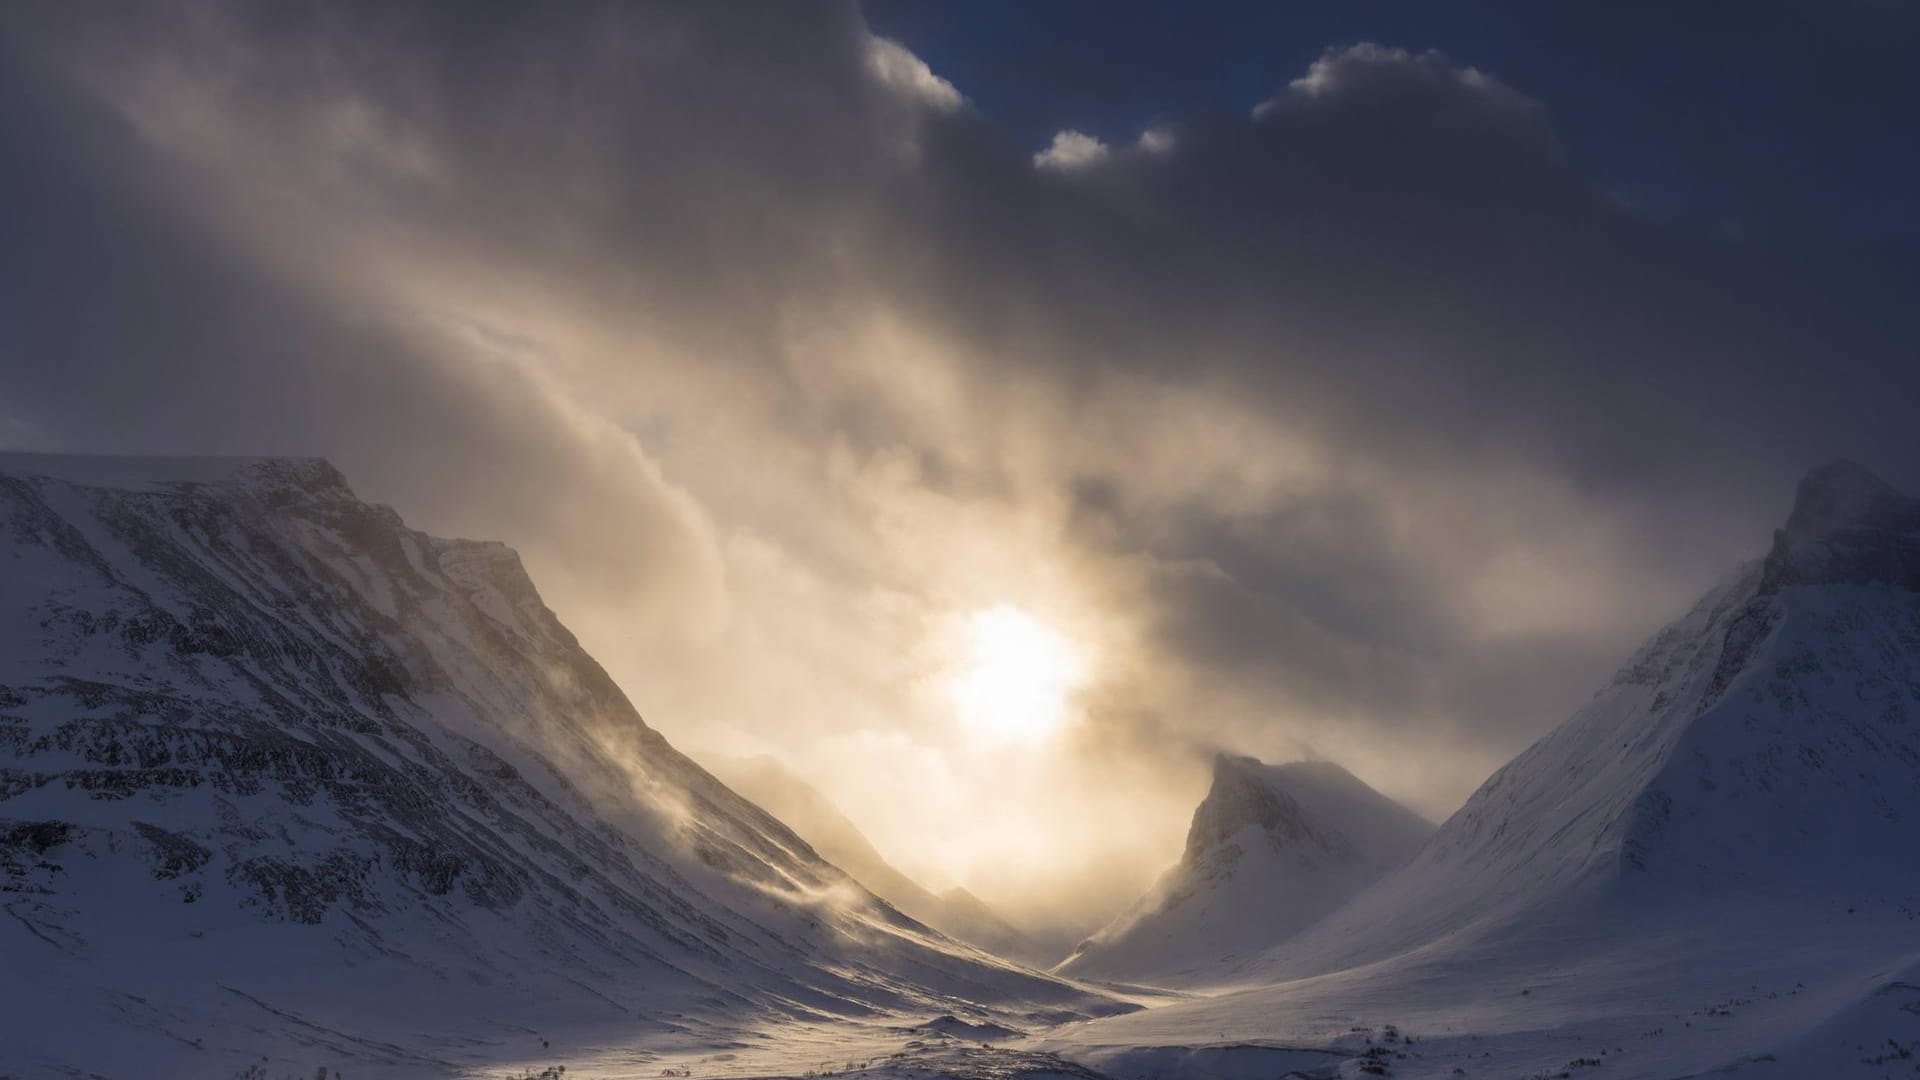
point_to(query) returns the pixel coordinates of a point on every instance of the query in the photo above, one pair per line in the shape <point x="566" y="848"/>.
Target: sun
<point x="1017" y="678"/>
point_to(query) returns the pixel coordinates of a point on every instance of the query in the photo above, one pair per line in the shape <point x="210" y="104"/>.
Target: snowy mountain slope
<point x="967" y="917"/>
<point x="281" y="776"/>
<point x="1765" y="745"/>
<point x="1710" y="866"/>
<point x="1272" y="848"/>
<point x="956" y="913"/>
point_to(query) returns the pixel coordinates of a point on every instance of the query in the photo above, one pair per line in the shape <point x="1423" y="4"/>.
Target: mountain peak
<point x="1227" y="765"/>
<point x="1848" y="527"/>
<point x="1847" y="495"/>
<point x="1242" y="795"/>
<point x="1271" y="849"/>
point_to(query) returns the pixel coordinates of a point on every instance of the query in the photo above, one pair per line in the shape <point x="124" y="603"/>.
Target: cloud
<point x="1156" y="140"/>
<point x="1071" y="150"/>
<point x="907" y="73"/>
<point x="1364" y="424"/>
<point x="1395" y="77"/>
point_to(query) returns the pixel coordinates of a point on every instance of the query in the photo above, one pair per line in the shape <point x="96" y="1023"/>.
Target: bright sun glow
<point x="1018" y="677"/>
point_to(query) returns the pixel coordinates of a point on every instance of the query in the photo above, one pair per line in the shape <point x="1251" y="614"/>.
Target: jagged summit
<point x="1271" y="849"/>
<point x="1848" y="527"/>
<point x="1242" y="796"/>
<point x="1847" y="495"/>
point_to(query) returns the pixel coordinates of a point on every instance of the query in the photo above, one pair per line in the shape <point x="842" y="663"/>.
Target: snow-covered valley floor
<point x="1842" y="999"/>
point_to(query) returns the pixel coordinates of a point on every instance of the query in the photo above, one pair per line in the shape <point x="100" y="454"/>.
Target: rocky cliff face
<point x="1848" y="527"/>
<point x="1244" y="796"/>
<point x="260" y="742"/>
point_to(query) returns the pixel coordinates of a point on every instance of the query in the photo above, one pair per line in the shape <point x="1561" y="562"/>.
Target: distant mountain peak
<point x="1242" y="795"/>
<point x="1271" y="849"/>
<point x="956" y="912"/>
<point x="1848" y="527"/>
<point x="1843" y="495"/>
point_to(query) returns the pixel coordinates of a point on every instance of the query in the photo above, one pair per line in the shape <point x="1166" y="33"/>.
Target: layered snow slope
<point x="279" y="775"/>
<point x="956" y="913"/>
<point x="1272" y="848"/>
<point x="1712" y="864"/>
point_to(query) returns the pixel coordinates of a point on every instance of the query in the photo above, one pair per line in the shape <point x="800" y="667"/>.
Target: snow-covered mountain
<point x="1765" y="746"/>
<point x="1715" y="864"/>
<point x="280" y="776"/>
<point x="956" y="912"/>
<point x="1272" y="848"/>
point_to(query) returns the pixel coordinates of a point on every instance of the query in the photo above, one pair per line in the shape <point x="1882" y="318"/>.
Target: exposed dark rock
<point x="1848" y="527"/>
<point x="1242" y="796"/>
<point x="173" y="854"/>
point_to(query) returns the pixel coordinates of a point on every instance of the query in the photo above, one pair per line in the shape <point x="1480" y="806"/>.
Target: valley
<point x="288" y="786"/>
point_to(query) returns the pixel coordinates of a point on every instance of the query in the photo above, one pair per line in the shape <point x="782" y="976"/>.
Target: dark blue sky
<point x="1780" y="117"/>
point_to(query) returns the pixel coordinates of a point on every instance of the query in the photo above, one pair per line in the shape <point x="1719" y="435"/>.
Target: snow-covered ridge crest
<point x="259" y="738"/>
<point x="287" y="474"/>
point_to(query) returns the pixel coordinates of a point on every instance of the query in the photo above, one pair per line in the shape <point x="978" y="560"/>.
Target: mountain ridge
<point x="956" y="912"/>
<point x="260" y="741"/>
<point x="1702" y="869"/>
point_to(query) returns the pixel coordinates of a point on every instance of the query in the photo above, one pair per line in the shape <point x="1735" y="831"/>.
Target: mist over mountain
<point x="955" y="912"/>
<point x="1272" y="848"/>
<point x="1705" y="868"/>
